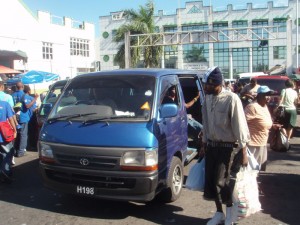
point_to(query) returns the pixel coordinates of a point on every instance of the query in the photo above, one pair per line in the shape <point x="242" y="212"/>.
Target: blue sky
<point x="90" y="10"/>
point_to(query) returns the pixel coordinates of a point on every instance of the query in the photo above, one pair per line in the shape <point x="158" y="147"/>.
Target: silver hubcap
<point x="177" y="180"/>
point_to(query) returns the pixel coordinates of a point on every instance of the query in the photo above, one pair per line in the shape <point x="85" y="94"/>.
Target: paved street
<point x="26" y="201"/>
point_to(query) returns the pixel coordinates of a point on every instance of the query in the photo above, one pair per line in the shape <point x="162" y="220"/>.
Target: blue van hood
<point x="112" y="134"/>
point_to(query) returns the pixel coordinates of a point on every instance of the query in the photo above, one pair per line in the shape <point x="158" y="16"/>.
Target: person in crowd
<point x="239" y="88"/>
<point x="249" y="92"/>
<point x="224" y="128"/>
<point x="228" y="86"/>
<point x="13" y="89"/>
<point x="259" y="123"/>
<point x="18" y="94"/>
<point x="28" y="105"/>
<point x="5" y="97"/>
<point x="289" y="99"/>
<point x="194" y="127"/>
<point x="7" y="149"/>
<point x="8" y="98"/>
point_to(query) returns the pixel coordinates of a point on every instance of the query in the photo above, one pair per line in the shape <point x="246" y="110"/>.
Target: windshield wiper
<point x="106" y="118"/>
<point x="51" y="120"/>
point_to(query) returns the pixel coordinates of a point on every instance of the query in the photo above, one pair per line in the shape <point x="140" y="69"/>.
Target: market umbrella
<point x="33" y="77"/>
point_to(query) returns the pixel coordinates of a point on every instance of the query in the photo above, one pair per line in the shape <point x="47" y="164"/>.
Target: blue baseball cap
<point x="264" y="90"/>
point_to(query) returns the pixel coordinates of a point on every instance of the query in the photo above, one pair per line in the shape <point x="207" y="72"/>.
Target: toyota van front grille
<point x="89" y="162"/>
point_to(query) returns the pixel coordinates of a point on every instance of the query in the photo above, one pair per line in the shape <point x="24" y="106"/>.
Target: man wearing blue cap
<point x="225" y="135"/>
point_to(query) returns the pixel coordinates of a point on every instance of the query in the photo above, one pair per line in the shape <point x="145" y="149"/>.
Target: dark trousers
<point x="221" y="167"/>
<point x="6" y="154"/>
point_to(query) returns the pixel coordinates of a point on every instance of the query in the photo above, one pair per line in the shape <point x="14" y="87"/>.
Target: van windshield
<point x="111" y="97"/>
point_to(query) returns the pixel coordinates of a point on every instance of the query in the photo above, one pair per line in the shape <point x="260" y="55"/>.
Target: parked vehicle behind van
<point x="48" y="100"/>
<point x="276" y="83"/>
<point x="110" y="136"/>
<point x="245" y="78"/>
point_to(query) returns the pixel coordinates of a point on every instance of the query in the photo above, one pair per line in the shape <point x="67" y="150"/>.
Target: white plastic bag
<point x="245" y="195"/>
<point x="252" y="161"/>
<point x="196" y="178"/>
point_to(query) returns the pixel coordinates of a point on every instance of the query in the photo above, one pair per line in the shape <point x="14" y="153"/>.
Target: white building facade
<point x="233" y="57"/>
<point x="52" y="44"/>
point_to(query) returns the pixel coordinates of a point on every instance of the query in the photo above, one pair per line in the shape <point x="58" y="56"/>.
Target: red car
<point x="276" y="83"/>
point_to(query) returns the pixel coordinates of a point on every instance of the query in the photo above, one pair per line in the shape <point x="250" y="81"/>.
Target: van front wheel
<point x="174" y="181"/>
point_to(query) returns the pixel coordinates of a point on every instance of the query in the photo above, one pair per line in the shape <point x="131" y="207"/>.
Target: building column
<point x="211" y="55"/>
<point x="179" y="47"/>
<point x="127" y="50"/>
<point x="179" y="57"/>
<point x="289" y="50"/>
<point x="250" y="60"/>
<point x="163" y="57"/>
<point x="230" y="64"/>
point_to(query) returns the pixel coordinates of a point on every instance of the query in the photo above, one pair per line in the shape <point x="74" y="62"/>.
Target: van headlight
<point x="45" y="153"/>
<point x="140" y="160"/>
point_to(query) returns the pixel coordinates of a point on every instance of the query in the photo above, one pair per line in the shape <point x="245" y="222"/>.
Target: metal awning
<point x="7" y="70"/>
<point x="13" y="55"/>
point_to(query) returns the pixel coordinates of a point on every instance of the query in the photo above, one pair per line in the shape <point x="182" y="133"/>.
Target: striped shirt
<point x="259" y="122"/>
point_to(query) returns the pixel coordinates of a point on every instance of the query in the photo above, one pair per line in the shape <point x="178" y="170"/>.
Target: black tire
<point x="174" y="182"/>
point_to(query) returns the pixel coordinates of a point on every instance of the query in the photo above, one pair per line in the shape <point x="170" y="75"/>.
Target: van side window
<point x="171" y="95"/>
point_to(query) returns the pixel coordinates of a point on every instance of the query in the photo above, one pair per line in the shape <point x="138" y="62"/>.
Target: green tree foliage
<point x="138" y="22"/>
<point x="195" y="55"/>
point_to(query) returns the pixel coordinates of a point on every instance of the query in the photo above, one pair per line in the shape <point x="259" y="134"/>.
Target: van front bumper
<point x="114" y="185"/>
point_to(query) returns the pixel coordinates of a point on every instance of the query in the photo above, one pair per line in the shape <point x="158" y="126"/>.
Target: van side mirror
<point x="43" y="95"/>
<point x="168" y="110"/>
<point x="45" y="109"/>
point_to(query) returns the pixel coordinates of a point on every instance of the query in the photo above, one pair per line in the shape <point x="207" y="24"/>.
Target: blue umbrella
<point x="33" y="77"/>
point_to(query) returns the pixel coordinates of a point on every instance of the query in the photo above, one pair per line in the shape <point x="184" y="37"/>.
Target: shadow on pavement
<point x="280" y="196"/>
<point x="27" y="190"/>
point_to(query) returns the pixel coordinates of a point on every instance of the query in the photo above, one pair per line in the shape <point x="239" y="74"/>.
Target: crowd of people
<point x="233" y="122"/>
<point x="17" y="108"/>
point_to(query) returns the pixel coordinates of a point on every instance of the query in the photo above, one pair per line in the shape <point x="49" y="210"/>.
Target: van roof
<point x="147" y="72"/>
<point x="272" y="77"/>
<point x="252" y="74"/>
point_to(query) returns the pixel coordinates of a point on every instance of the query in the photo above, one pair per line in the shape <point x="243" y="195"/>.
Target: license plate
<point x="85" y="190"/>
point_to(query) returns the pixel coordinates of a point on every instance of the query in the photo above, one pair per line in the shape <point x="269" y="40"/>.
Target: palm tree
<point x="139" y="22"/>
